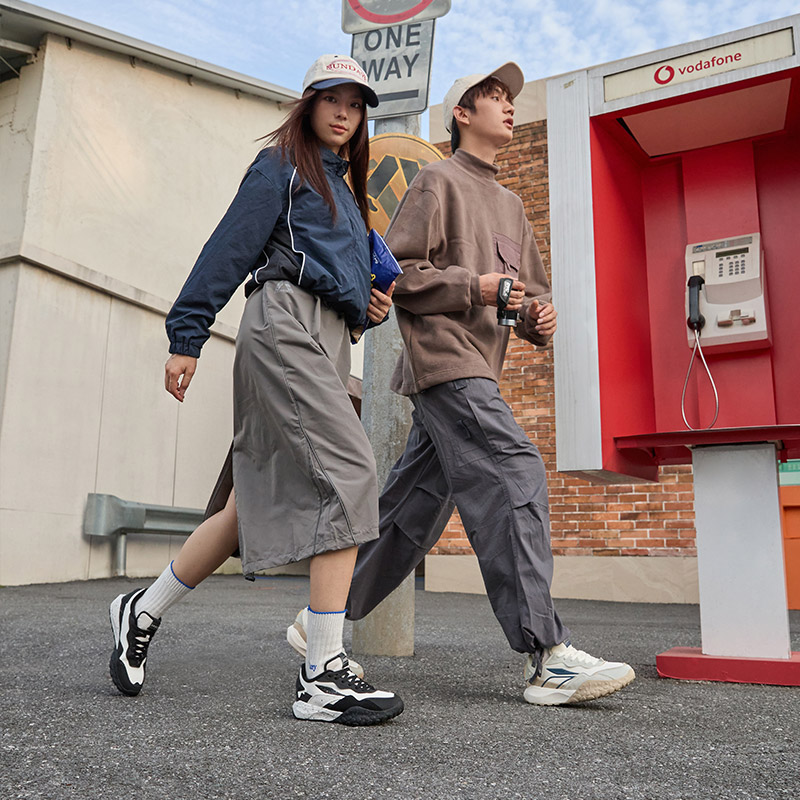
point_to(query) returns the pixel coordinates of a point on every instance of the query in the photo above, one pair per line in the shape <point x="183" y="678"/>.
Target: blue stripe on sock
<point x="177" y="578"/>
<point x="325" y="612"/>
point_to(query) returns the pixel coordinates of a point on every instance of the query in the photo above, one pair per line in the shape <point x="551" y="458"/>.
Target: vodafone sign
<point x="745" y="53"/>
<point x="359" y="16"/>
<point x="665" y="73"/>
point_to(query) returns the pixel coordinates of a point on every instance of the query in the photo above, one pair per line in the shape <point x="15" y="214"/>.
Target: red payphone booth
<point x="675" y="241"/>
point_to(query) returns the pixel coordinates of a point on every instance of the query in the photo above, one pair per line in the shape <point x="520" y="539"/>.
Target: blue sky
<point x="276" y="40"/>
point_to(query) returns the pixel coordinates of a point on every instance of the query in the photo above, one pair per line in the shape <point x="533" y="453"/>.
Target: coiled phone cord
<point x="697" y="348"/>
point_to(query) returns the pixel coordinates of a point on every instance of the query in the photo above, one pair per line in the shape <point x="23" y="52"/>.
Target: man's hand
<point x="545" y="315"/>
<point x="489" y="284"/>
<point x="178" y="374"/>
<point x="379" y="304"/>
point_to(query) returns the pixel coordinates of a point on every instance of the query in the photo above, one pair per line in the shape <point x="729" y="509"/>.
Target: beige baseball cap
<point x="331" y="70"/>
<point x="510" y="74"/>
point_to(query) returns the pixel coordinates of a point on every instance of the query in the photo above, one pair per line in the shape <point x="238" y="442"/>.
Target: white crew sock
<point x="323" y="639"/>
<point x="163" y="593"/>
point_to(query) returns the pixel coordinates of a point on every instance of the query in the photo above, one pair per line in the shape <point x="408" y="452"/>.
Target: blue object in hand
<point x="384" y="266"/>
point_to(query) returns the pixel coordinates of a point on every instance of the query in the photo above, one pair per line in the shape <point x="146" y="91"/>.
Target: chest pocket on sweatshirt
<point x="507" y="255"/>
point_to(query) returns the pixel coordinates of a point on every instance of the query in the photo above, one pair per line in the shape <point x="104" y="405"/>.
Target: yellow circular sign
<point x="394" y="160"/>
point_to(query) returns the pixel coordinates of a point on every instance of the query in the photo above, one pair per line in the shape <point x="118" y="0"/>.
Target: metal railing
<point x="110" y="517"/>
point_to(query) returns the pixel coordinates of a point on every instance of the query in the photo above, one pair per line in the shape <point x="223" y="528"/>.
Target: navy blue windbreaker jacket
<point x="278" y="228"/>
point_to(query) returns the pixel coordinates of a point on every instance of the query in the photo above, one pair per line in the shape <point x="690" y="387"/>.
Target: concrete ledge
<point x="12" y="255"/>
<point x="629" y="579"/>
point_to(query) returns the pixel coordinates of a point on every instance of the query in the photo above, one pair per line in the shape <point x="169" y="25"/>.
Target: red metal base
<point x="690" y="664"/>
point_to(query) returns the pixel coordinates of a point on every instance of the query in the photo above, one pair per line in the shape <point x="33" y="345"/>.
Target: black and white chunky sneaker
<point x="339" y="695"/>
<point x="130" y="643"/>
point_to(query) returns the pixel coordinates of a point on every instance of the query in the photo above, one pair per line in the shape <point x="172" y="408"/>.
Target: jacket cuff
<point x="184" y="347"/>
<point x="475" y="294"/>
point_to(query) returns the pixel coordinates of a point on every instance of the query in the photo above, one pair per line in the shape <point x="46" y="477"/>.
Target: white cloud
<point x="276" y="40"/>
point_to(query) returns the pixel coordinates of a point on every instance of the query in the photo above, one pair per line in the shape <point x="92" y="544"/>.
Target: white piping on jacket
<point x="266" y="261"/>
<point x="291" y="233"/>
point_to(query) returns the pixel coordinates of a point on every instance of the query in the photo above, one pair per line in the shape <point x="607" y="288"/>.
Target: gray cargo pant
<point x="465" y="449"/>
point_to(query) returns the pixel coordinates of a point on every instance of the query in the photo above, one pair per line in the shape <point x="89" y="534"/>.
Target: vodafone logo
<point x="664" y="74"/>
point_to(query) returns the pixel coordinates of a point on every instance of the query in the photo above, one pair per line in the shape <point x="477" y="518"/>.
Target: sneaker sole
<point x="354" y="717"/>
<point x="114" y="666"/>
<point x="298" y="644"/>
<point x="591" y="690"/>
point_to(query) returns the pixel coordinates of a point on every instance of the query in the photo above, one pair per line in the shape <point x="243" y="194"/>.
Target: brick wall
<point x="586" y="519"/>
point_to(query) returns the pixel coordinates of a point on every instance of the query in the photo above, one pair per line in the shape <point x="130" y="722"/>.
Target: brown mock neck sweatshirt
<point x="457" y="222"/>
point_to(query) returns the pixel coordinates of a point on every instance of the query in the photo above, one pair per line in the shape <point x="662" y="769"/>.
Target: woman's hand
<point x="379" y="304"/>
<point x="178" y="374"/>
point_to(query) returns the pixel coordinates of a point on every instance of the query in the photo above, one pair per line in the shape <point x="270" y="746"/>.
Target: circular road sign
<point x="359" y="16"/>
<point x="395" y="158"/>
<point x="363" y="10"/>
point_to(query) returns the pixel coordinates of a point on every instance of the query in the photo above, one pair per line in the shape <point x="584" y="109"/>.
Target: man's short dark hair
<point x="482" y="89"/>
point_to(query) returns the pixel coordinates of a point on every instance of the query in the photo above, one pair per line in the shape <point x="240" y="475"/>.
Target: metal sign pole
<point x="386" y="416"/>
<point x="393" y="40"/>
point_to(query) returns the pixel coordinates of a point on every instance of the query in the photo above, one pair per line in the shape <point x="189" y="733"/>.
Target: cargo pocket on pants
<point x="468" y="442"/>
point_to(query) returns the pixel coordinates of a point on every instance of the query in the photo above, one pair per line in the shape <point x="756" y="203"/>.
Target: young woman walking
<point x="300" y="479"/>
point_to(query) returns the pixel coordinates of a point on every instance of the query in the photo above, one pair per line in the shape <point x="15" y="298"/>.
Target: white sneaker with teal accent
<point x="572" y="676"/>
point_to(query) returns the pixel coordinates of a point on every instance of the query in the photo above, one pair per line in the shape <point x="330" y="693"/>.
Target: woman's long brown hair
<point x="296" y="138"/>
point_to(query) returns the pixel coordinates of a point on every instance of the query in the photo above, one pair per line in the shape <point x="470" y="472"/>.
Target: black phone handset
<point x="696" y="321"/>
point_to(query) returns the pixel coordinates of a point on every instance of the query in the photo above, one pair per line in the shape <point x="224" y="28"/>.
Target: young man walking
<point x="457" y="233"/>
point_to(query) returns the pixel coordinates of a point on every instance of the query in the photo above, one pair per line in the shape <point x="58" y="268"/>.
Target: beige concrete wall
<point x="49" y="437"/>
<point x="85" y="411"/>
<point x="114" y="174"/>
<point x="133" y="166"/>
<point x="630" y="579"/>
<point x="18" y="104"/>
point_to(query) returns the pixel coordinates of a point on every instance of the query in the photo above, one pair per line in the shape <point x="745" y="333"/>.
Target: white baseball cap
<point x="510" y="74"/>
<point x="331" y="70"/>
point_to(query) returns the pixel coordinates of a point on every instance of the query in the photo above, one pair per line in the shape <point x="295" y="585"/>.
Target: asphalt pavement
<point x="214" y="719"/>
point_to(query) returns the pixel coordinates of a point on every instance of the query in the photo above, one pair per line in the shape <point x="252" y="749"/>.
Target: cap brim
<point x="511" y="75"/>
<point x="369" y="94"/>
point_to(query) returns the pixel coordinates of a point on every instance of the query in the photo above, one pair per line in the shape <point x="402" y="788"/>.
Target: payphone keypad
<point x="731" y="266"/>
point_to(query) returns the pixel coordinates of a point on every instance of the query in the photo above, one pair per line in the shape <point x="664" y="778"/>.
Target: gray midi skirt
<point x="300" y="464"/>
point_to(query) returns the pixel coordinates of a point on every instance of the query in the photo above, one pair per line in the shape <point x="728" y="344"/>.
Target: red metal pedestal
<point x="690" y="664"/>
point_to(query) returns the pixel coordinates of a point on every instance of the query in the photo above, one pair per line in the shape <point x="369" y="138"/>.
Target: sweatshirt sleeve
<point x="537" y="287"/>
<point x="416" y="231"/>
<point x="224" y="262"/>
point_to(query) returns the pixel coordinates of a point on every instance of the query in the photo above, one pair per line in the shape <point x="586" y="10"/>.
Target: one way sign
<point x="397" y="61"/>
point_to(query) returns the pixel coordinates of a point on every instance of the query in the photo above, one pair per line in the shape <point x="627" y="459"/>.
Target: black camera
<point x="505" y="317"/>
